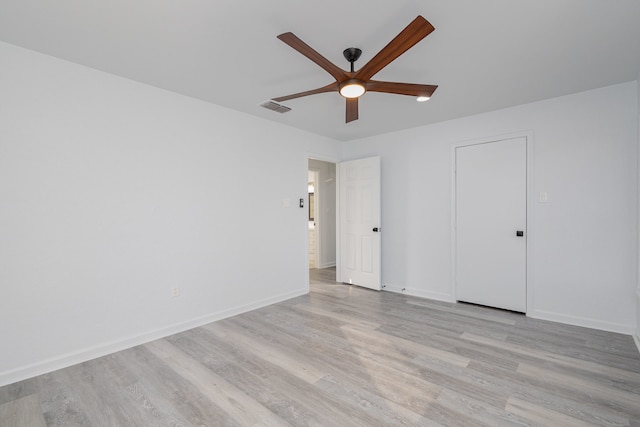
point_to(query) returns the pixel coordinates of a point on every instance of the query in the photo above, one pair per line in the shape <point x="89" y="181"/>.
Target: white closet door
<point x="491" y="219"/>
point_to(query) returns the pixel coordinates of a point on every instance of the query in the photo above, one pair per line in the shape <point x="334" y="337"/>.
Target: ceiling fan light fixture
<point x="352" y="88"/>
<point x="423" y="98"/>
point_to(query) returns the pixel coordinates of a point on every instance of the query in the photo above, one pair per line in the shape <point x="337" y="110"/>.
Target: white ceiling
<point x="484" y="54"/>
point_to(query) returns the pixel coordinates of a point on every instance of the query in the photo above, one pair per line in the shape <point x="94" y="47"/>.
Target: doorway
<point x="321" y="213"/>
<point x="312" y="215"/>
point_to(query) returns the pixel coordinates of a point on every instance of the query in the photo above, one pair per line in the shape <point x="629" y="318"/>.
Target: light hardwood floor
<point x="347" y="356"/>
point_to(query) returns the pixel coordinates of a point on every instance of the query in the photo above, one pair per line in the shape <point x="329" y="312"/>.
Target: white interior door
<point x="359" y="220"/>
<point x="491" y="218"/>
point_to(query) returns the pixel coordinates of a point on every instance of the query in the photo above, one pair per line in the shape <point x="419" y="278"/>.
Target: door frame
<point x="528" y="135"/>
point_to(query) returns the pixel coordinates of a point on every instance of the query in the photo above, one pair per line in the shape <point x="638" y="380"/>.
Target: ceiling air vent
<point x="274" y="106"/>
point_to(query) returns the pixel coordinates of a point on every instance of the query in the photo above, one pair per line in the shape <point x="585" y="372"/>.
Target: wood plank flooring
<point x="348" y="356"/>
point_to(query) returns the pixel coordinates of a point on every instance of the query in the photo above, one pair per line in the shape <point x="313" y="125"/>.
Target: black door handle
<point x="519" y="233"/>
<point x="376" y="229"/>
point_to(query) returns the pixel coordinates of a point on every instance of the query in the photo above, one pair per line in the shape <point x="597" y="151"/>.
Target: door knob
<point x="376" y="229"/>
<point x="519" y="233"/>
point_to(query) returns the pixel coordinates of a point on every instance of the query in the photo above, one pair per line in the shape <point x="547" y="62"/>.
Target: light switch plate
<point x="543" y="197"/>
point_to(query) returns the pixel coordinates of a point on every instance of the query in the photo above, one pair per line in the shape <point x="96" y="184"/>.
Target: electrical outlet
<point x="175" y="291"/>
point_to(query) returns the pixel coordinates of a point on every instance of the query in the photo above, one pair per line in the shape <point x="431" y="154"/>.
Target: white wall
<point x="584" y="240"/>
<point x="113" y="192"/>
<point x="326" y="199"/>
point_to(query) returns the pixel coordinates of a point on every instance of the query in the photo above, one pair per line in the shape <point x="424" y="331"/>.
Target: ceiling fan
<point x="353" y="84"/>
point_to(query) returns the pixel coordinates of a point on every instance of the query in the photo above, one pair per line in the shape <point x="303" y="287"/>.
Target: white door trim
<point x="530" y="200"/>
<point x="338" y="228"/>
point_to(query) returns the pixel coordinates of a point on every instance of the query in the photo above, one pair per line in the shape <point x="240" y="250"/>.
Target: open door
<point x="359" y="222"/>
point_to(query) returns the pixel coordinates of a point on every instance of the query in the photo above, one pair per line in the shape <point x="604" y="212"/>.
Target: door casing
<point x="528" y="135"/>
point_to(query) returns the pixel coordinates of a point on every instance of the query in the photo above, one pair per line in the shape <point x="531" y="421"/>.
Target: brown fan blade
<point x="333" y="87"/>
<point x="401" y="88"/>
<point x="352" y="109"/>
<point x="292" y="40"/>
<point x="418" y="29"/>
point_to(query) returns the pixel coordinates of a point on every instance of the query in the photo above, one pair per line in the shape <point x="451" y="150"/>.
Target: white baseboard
<point x="439" y="296"/>
<point x="85" y="354"/>
<point x="536" y="314"/>
<point x="582" y="321"/>
<point x="327" y="265"/>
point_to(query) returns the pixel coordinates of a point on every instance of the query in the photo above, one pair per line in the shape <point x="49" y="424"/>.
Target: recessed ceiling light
<point x="423" y="98"/>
